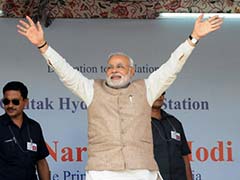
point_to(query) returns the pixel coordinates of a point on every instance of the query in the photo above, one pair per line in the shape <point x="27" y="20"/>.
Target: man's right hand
<point x="33" y="32"/>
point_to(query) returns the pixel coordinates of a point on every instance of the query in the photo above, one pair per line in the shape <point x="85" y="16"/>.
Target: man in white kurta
<point x="119" y="110"/>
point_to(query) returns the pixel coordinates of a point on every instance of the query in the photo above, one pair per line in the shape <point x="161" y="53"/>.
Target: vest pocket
<point x="146" y="139"/>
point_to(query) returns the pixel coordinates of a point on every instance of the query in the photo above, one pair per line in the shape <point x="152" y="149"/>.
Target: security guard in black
<point x="17" y="157"/>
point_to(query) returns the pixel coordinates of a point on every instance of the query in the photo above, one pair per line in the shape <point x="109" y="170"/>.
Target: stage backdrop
<point x="205" y="96"/>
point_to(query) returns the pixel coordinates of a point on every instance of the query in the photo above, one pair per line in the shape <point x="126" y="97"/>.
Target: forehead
<point x="12" y="94"/>
<point x="119" y="59"/>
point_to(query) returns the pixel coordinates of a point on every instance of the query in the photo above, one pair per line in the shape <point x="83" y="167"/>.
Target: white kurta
<point x="156" y="84"/>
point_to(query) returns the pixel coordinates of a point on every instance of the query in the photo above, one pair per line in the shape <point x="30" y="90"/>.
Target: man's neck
<point x="156" y="113"/>
<point x="18" y="121"/>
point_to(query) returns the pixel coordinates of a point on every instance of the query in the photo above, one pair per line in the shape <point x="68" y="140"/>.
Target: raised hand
<point x="33" y="32"/>
<point x="203" y="27"/>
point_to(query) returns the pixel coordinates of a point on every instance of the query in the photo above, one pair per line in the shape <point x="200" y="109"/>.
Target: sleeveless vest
<point x="119" y="128"/>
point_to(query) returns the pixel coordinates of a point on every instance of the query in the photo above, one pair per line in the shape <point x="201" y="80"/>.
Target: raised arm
<point x="71" y="78"/>
<point x="163" y="77"/>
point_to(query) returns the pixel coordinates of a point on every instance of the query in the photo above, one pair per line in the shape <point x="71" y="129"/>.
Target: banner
<point x="205" y="96"/>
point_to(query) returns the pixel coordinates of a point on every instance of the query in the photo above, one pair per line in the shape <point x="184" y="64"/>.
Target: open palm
<point x="33" y="32"/>
<point x="202" y="28"/>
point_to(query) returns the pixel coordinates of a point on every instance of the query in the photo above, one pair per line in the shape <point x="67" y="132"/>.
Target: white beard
<point x="122" y="82"/>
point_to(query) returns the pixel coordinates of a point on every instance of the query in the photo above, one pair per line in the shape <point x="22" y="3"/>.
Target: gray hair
<point x="131" y="62"/>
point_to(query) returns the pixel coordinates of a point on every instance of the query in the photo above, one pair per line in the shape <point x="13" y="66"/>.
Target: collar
<point x="6" y="120"/>
<point x="165" y="115"/>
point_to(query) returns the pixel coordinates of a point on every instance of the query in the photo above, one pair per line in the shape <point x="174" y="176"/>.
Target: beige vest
<point x="119" y="128"/>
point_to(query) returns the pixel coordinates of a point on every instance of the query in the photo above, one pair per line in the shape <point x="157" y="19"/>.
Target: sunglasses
<point x="6" y="101"/>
